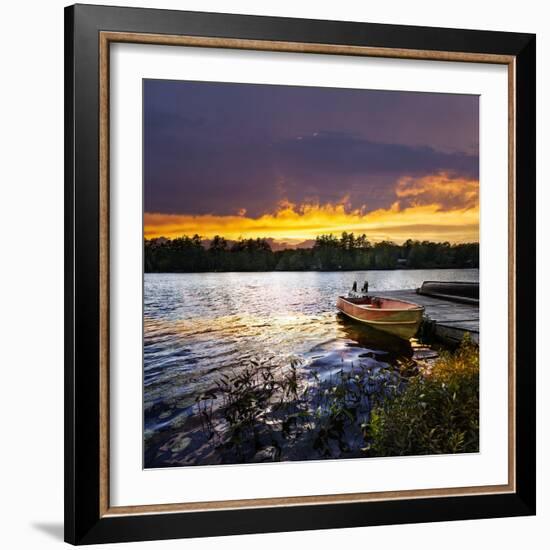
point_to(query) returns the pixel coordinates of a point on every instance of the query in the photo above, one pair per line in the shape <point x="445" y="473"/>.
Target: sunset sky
<point x="290" y="163"/>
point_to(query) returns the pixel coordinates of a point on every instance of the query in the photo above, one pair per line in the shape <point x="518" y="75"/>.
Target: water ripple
<point x="197" y="326"/>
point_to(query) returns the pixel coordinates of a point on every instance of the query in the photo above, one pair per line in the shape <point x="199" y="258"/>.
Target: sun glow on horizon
<point x="437" y="208"/>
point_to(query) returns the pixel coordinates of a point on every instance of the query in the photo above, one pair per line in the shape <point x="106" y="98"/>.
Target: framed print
<point x="299" y="274"/>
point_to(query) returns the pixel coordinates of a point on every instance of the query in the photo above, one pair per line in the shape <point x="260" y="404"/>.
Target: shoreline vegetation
<point x="329" y="253"/>
<point x="264" y="414"/>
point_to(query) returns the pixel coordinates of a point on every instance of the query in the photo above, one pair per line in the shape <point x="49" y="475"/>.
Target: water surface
<point x="200" y="326"/>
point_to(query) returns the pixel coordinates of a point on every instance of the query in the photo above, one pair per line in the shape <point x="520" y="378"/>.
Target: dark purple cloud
<point x="218" y="148"/>
<point x="346" y="153"/>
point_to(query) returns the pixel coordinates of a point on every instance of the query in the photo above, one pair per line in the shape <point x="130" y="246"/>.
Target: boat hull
<point x="396" y="317"/>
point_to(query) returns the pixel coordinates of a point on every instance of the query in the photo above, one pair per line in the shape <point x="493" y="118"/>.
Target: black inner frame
<point x="83" y="524"/>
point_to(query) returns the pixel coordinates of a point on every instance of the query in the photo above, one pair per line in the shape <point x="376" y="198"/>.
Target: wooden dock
<point x="446" y="319"/>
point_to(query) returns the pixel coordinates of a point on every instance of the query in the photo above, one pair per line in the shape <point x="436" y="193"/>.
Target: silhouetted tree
<point x="329" y="253"/>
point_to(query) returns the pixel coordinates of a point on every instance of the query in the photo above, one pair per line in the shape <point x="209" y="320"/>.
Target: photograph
<point x="310" y="273"/>
<point x="299" y="274"/>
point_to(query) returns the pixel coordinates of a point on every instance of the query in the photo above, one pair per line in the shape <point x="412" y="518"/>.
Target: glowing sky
<point x="290" y="163"/>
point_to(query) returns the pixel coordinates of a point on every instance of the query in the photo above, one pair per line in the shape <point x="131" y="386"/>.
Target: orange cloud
<point x="299" y="223"/>
<point x="436" y="207"/>
<point x="440" y="189"/>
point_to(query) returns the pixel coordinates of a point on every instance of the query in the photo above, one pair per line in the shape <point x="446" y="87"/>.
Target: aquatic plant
<point x="266" y="412"/>
<point x="343" y="408"/>
<point x="255" y="404"/>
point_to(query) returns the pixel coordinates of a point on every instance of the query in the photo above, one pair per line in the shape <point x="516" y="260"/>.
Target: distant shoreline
<point x="440" y="268"/>
<point x="348" y="252"/>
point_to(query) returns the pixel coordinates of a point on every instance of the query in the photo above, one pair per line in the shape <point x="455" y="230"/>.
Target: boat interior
<point x="374" y="302"/>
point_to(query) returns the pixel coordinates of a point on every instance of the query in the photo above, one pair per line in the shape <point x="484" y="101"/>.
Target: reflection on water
<point x="198" y="327"/>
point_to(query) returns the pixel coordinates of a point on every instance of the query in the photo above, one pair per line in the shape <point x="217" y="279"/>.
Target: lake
<point x="199" y="327"/>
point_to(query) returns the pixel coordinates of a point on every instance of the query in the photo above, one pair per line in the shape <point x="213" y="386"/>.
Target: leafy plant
<point x="437" y="413"/>
<point x="265" y="411"/>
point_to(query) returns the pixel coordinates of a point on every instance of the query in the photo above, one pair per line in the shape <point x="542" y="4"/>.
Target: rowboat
<point x="397" y="317"/>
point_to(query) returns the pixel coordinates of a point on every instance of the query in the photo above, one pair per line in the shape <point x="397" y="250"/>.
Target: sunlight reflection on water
<point x="197" y="326"/>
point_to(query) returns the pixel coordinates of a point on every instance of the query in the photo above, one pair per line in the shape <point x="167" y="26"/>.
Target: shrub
<point x="437" y="413"/>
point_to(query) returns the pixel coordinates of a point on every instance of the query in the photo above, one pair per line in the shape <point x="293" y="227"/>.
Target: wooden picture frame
<point x="89" y="32"/>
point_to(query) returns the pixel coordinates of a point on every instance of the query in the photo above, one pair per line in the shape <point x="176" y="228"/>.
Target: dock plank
<point x="450" y="320"/>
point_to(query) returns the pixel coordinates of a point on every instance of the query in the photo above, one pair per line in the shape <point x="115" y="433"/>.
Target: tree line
<point x="329" y="253"/>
